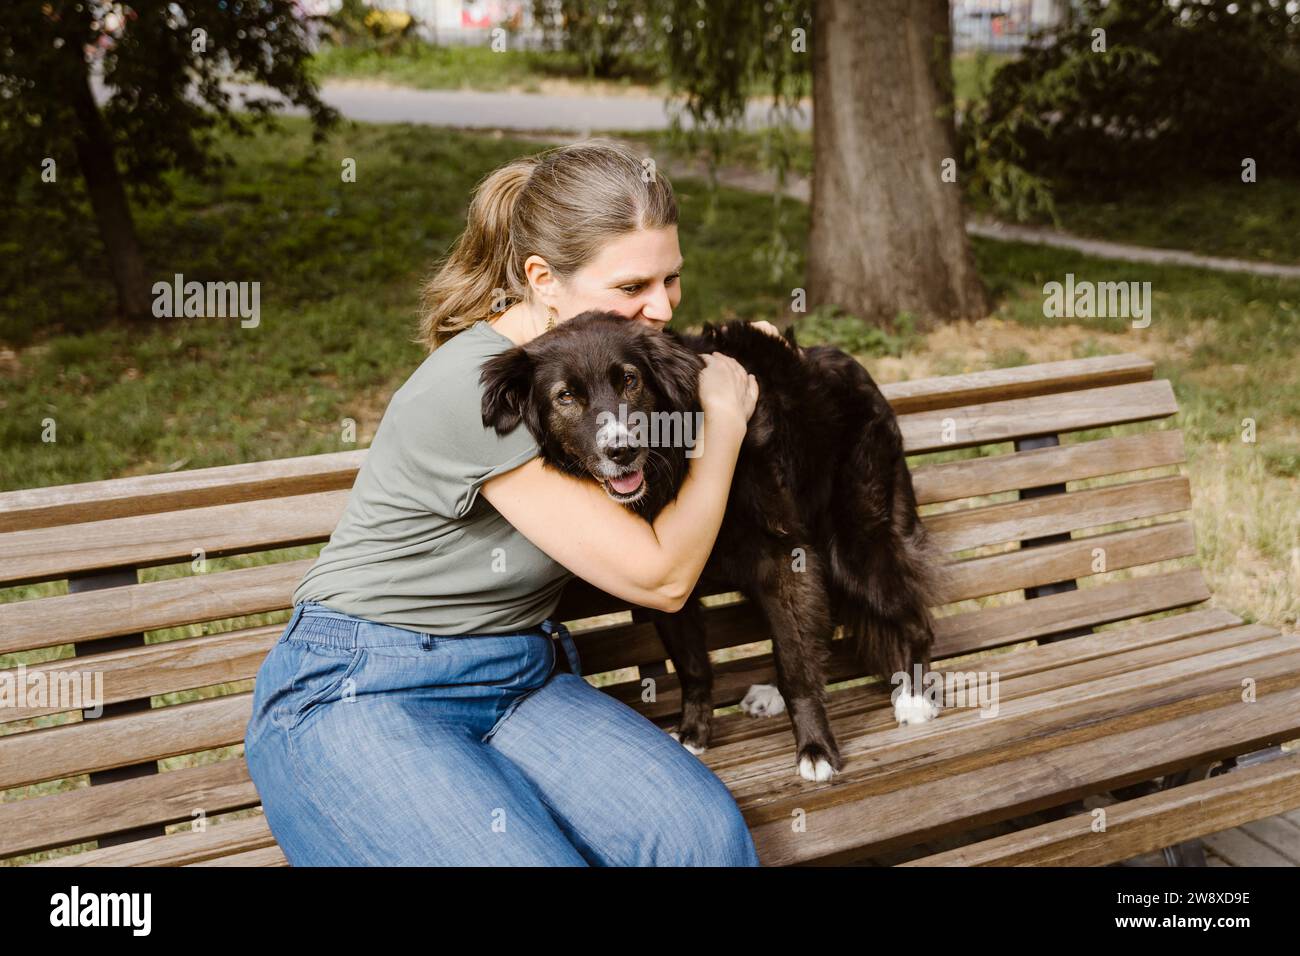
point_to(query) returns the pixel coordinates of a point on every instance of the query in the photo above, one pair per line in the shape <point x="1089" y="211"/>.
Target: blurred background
<point x="900" y="179"/>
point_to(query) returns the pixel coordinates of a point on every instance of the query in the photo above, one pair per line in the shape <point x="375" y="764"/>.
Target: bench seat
<point x="1072" y="579"/>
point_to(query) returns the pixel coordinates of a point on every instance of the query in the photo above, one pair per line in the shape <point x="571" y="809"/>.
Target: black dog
<point x="820" y="527"/>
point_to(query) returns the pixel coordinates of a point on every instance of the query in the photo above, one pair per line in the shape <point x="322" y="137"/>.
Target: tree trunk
<point x="887" y="233"/>
<point x="98" y="164"/>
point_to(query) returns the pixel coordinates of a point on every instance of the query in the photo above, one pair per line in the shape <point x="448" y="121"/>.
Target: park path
<point x="375" y="102"/>
<point x="527" y="114"/>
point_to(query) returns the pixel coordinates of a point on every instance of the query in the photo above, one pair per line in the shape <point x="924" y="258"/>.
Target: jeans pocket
<point x="322" y="675"/>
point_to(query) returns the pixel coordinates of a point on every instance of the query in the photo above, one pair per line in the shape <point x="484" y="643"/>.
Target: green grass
<point x="424" y="66"/>
<point x="971" y="73"/>
<point x="1215" y="217"/>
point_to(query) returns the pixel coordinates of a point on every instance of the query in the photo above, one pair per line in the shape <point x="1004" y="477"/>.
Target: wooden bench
<point x="1144" y="710"/>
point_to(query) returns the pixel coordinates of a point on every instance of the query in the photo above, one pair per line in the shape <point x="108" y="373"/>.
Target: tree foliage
<point x="1132" y="90"/>
<point x="162" y="63"/>
<point x="599" y="32"/>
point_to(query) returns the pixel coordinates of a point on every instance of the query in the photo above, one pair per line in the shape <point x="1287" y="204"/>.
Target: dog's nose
<point x="620" y="454"/>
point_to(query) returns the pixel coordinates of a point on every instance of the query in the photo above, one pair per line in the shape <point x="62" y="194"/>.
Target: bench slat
<point x="964" y="528"/>
<point x="1068" y="611"/>
<point x="220" y="839"/>
<point x="1025" y="381"/>
<point x="1142" y="825"/>
<point x="90" y="745"/>
<point x="155" y="669"/>
<point x="1068" y="561"/>
<point x="265" y="856"/>
<point x="148" y="540"/>
<point x="177" y="491"/>
<point x="75" y="816"/>
<point x="950" y="428"/>
<point x="952" y="480"/>
<point x="137" y="608"/>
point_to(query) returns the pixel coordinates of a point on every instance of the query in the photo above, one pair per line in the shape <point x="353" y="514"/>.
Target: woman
<point x="416" y="711"/>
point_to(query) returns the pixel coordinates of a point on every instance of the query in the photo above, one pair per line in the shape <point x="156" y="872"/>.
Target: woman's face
<point x="637" y="275"/>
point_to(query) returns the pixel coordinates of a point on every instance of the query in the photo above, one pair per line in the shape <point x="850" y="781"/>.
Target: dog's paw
<point x="817" y="764"/>
<point x="693" y="748"/>
<point x="914" y="709"/>
<point x="763" y="700"/>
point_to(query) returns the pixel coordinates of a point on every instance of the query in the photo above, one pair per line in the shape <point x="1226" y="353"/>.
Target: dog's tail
<point x="884" y="568"/>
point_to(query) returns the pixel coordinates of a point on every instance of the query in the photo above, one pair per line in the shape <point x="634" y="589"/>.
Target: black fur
<point x="820" y="527"/>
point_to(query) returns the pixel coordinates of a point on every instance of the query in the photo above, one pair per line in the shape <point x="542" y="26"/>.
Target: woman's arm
<point x="578" y="525"/>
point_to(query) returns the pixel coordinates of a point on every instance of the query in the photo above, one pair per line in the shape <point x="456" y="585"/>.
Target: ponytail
<point x="479" y="276"/>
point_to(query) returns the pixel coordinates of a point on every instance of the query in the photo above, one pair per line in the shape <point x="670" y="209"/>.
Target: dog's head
<point x="578" y="389"/>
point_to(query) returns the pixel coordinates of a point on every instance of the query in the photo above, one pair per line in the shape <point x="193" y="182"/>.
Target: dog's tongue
<point x="626" y="484"/>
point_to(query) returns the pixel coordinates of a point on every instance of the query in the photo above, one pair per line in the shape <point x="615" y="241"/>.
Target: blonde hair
<point x="562" y="204"/>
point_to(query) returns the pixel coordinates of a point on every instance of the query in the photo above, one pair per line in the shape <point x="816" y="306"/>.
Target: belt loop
<point x="293" y="621"/>
<point x="558" y="632"/>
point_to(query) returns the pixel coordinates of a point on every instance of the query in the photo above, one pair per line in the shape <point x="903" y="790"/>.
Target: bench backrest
<point x="178" y="647"/>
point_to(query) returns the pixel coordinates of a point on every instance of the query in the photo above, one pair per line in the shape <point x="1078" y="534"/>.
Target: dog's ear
<point x="674" y="368"/>
<point x="507" y="381"/>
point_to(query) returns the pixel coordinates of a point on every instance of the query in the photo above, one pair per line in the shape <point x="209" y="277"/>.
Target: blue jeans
<point x="376" y="745"/>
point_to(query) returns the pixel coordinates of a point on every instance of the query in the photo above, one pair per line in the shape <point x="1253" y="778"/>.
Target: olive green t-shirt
<point x="417" y="546"/>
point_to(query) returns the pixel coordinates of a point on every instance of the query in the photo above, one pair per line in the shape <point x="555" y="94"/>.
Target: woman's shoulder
<point x="453" y="368"/>
<point x="432" y="449"/>
<point x="434" y="422"/>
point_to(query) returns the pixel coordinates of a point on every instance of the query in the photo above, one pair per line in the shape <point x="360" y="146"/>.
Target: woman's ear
<point x="507" y="381"/>
<point x="544" y="283"/>
<point x="674" y="369"/>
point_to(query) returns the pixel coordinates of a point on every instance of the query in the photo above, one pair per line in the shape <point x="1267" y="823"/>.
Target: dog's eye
<point x="564" y="397"/>
<point x="630" y="380"/>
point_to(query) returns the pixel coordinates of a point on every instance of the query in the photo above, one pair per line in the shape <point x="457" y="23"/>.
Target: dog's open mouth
<point x="625" y="488"/>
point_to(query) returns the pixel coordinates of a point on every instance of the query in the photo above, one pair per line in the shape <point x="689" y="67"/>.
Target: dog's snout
<point x="620" y="454"/>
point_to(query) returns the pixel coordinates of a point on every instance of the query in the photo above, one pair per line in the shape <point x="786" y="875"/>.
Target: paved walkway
<point x="474" y="109"/>
<point x="1103" y="249"/>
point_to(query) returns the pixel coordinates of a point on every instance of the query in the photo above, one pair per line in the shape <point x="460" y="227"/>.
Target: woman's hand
<point x="726" y="389"/>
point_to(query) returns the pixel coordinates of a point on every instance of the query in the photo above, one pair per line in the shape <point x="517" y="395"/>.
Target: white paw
<point x="914" y="709"/>
<point x="818" y="772"/>
<point x="691" y="747"/>
<point x="763" y="700"/>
